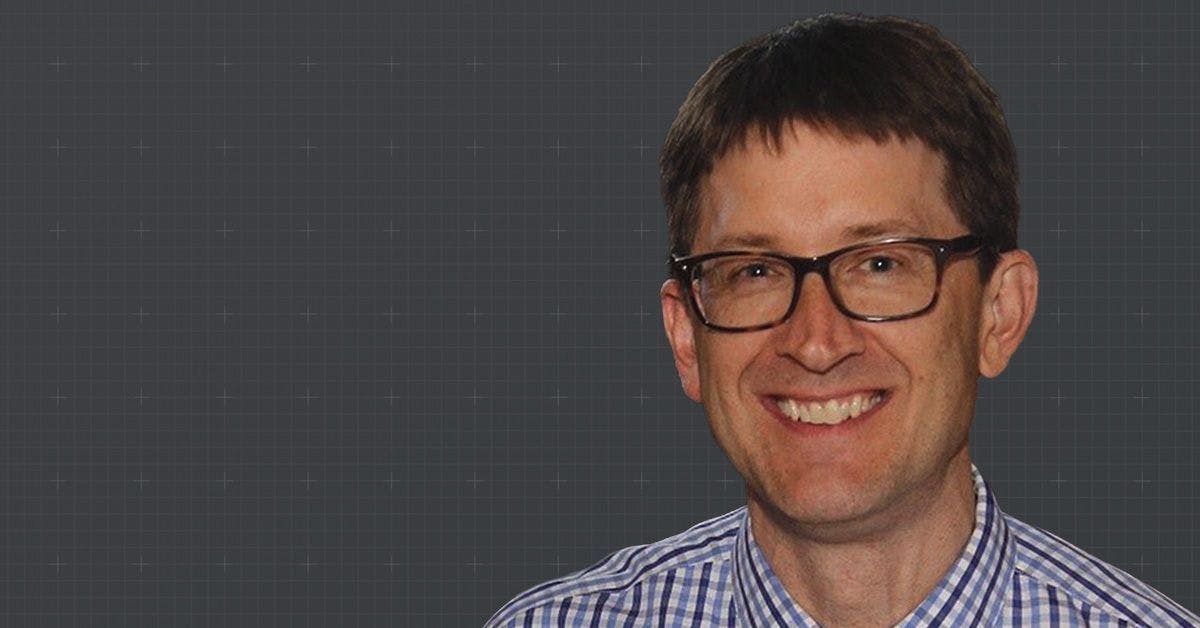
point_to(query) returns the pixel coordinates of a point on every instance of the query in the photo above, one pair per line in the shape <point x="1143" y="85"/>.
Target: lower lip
<point x="815" y="429"/>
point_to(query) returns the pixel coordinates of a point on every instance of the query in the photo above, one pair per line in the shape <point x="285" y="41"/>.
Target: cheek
<point x="940" y="351"/>
<point x="954" y="361"/>
<point x="963" y="336"/>
<point x="722" y="360"/>
<point x="950" y="333"/>
<point x="963" y="314"/>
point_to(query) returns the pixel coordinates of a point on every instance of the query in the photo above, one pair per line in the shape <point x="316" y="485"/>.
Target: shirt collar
<point x="972" y="593"/>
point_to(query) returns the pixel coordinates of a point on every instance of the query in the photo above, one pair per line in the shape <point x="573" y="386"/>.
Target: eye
<point x="754" y="269"/>
<point x="880" y="264"/>
<point x="745" y="272"/>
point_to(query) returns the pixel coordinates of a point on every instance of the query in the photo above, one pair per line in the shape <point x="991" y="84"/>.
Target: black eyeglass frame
<point x="681" y="268"/>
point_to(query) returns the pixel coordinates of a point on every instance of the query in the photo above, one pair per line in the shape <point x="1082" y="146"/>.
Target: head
<point x="820" y="136"/>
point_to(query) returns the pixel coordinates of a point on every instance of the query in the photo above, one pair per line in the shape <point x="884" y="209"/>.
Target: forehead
<point x="817" y="190"/>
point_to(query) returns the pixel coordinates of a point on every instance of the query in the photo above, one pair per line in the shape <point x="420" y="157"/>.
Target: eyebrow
<point x="747" y="240"/>
<point x="895" y="226"/>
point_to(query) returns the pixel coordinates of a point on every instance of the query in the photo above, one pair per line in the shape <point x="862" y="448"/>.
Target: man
<point x="842" y="204"/>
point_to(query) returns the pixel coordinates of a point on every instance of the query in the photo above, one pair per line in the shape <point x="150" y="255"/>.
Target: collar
<point x="972" y="593"/>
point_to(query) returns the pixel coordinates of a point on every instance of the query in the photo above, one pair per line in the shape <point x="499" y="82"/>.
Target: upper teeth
<point x="829" y="412"/>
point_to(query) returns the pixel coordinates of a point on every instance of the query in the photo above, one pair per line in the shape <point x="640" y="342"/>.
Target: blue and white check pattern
<point x="715" y="574"/>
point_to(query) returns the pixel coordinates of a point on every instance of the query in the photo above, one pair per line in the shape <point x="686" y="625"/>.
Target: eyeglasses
<point x="878" y="281"/>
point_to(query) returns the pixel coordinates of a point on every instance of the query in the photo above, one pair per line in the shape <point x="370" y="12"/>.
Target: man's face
<point x="818" y="193"/>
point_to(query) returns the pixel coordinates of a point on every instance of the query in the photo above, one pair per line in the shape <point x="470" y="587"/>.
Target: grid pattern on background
<point x="312" y="315"/>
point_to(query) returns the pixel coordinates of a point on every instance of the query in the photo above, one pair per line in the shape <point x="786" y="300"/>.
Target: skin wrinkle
<point x="859" y="527"/>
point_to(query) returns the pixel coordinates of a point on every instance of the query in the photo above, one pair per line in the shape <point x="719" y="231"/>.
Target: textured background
<point x="318" y="316"/>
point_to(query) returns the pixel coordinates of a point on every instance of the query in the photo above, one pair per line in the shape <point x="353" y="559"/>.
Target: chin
<point x="826" y="502"/>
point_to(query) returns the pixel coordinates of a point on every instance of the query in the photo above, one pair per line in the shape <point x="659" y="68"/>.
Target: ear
<point x="680" y="328"/>
<point x="1009" y="300"/>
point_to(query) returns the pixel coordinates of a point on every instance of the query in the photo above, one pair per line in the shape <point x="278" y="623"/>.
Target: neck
<point x="872" y="572"/>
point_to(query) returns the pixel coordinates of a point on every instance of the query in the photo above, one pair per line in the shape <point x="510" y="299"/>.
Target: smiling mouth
<point x="831" y="411"/>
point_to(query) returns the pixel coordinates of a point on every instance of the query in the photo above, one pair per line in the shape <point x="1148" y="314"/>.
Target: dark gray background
<point x="317" y="316"/>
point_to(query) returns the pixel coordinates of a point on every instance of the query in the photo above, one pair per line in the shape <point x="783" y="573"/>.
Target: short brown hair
<point x="861" y="76"/>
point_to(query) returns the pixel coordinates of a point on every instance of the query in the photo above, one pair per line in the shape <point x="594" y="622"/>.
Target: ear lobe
<point x="1009" y="301"/>
<point x="678" y="324"/>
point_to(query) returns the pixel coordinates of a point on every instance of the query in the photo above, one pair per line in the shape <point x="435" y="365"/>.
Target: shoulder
<point x="624" y="582"/>
<point x="1053" y="573"/>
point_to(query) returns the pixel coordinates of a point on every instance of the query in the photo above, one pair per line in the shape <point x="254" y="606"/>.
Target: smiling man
<point x="842" y="203"/>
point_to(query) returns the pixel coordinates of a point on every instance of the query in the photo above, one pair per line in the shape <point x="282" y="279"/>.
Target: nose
<point x="818" y="335"/>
